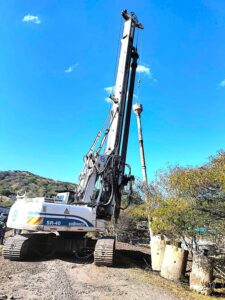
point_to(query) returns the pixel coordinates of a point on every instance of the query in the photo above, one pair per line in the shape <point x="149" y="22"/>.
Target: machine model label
<point x="57" y="220"/>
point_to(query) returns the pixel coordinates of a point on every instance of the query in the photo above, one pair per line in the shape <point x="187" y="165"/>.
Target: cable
<point x="105" y="134"/>
<point x="98" y="135"/>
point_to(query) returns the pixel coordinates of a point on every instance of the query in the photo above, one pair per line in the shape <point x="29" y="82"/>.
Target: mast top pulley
<point x="133" y="17"/>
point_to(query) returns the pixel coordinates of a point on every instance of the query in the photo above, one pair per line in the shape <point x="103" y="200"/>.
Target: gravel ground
<point x="68" y="278"/>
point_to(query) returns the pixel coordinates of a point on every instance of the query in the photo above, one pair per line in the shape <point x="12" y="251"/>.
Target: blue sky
<point x="58" y="57"/>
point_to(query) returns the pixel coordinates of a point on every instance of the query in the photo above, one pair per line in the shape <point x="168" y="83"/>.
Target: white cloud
<point x="147" y="71"/>
<point x="71" y="68"/>
<point x="107" y="99"/>
<point x="222" y="83"/>
<point x="31" y="19"/>
<point x="109" y="90"/>
<point x="143" y="69"/>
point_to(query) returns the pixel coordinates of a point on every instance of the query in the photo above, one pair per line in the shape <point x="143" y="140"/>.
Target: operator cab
<point x="65" y="196"/>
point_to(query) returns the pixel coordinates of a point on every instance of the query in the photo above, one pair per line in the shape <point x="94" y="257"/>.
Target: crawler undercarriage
<point x="46" y="245"/>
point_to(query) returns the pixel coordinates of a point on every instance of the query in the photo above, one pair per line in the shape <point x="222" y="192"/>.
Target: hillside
<point x="12" y="182"/>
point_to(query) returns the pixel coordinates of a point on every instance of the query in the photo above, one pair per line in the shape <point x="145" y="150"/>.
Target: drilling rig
<point x="61" y="223"/>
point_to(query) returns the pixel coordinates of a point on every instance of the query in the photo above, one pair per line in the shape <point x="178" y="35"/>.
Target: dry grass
<point x="181" y="291"/>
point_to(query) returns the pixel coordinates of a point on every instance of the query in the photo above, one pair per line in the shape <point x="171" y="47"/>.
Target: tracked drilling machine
<point x="61" y="223"/>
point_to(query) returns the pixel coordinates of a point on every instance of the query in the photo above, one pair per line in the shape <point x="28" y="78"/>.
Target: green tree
<point x="181" y="200"/>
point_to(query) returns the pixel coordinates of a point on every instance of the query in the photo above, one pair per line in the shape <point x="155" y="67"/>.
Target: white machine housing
<point x="36" y="214"/>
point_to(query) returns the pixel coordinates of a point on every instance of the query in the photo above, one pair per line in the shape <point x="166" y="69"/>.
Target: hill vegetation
<point x="13" y="182"/>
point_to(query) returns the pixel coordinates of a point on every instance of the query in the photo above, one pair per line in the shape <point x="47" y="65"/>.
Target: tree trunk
<point x="202" y="274"/>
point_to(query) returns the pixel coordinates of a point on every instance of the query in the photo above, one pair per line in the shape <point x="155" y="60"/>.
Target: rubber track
<point x="13" y="247"/>
<point x="104" y="252"/>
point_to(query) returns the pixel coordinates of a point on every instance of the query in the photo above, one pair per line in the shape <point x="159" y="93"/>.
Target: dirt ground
<point x="70" y="278"/>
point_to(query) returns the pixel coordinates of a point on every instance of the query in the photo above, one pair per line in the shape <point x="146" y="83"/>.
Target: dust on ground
<point x="72" y="279"/>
